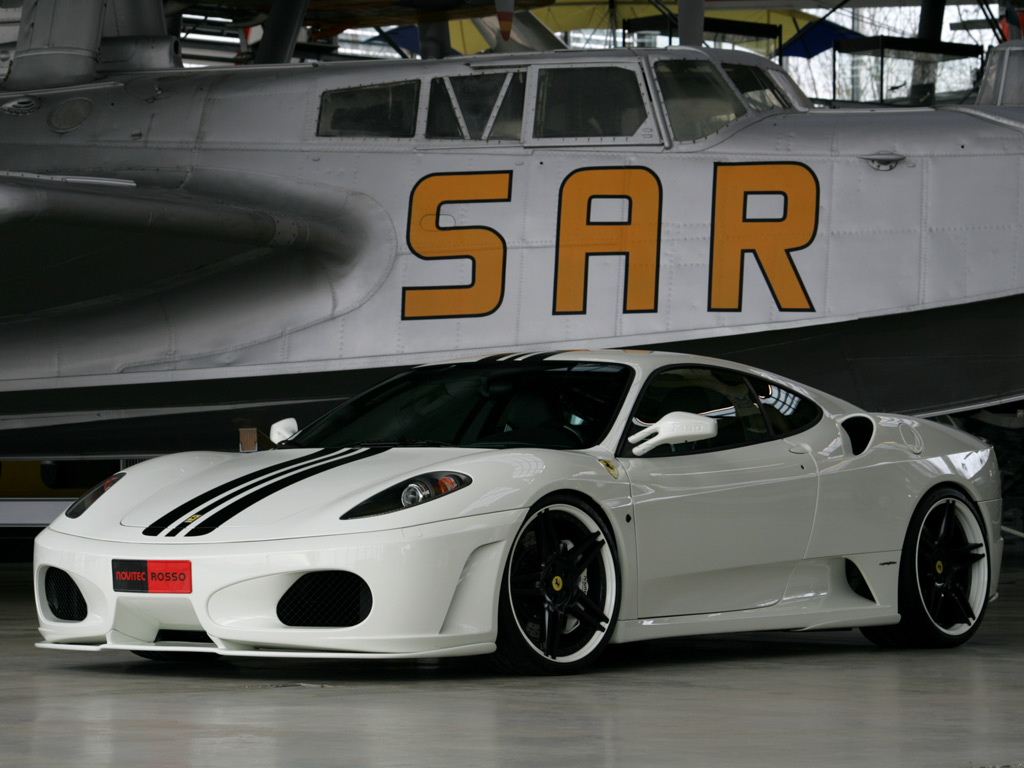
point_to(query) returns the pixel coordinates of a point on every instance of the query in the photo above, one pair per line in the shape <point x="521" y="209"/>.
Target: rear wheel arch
<point x="975" y="504"/>
<point x="955" y="486"/>
<point x="945" y="572"/>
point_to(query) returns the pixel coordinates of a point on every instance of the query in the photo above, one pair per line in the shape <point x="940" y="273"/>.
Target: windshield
<point x="697" y="98"/>
<point x="544" y="404"/>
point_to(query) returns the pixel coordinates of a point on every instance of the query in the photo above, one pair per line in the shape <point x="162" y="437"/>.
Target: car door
<point x="721" y="522"/>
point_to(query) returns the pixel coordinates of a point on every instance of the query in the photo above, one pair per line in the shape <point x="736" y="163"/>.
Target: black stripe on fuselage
<point x="233" y="486"/>
<point x="221" y="516"/>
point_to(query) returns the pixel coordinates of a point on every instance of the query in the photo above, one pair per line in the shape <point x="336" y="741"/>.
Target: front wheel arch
<point x="560" y="588"/>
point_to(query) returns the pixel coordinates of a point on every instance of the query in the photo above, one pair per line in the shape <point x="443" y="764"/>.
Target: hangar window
<point x="588" y="102"/>
<point x="387" y="110"/>
<point x="476" y="107"/>
<point x="697" y="99"/>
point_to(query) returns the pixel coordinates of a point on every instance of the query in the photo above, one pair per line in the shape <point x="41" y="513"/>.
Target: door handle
<point x="883" y="161"/>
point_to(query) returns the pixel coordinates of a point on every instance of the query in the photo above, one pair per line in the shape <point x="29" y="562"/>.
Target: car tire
<point x="944" y="575"/>
<point x="560" y="590"/>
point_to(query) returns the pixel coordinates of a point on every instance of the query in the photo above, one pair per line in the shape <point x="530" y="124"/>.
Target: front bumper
<point x="434" y="593"/>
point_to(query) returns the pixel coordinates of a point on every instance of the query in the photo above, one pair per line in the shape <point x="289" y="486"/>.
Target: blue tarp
<point x="817" y="39"/>
<point x="406" y="37"/>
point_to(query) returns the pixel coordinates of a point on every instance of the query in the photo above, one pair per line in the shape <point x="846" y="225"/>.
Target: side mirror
<point x="673" y="428"/>
<point x="283" y="430"/>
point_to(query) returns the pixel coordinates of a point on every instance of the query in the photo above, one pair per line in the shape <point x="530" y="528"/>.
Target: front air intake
<point x="63" y="596"/>
<point x="326" y="599"/>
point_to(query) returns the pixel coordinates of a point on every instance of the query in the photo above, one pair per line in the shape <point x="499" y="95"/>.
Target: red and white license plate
<point x="152" y="576"/>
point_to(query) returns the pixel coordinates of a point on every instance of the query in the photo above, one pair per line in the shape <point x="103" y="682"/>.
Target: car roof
<point x="646" y="362"/>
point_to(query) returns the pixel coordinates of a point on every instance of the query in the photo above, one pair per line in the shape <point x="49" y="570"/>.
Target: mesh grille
<point x="182" y="636"/>
<point x="63" y="596"/>
<point x="325" y="599"/>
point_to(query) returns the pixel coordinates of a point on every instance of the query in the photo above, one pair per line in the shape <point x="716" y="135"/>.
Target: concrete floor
<point x="764" y="700"/>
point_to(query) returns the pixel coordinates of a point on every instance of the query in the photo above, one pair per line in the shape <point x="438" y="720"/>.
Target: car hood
<point x="230" y="497"/>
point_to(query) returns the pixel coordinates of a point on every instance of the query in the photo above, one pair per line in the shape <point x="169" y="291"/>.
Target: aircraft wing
<point x="69" y="240"/>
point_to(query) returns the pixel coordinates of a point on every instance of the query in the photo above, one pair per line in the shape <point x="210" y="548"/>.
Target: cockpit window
<point x="1003" y="82"/>
<point x="588" y="102"/>
<point x="794" y="95"/>
<point x="988" y="92"/>
<point x="476" y="107"/>
<point x="757" y="88"/>
<point x="697" y="98"/>
<point x="387" y="110"/>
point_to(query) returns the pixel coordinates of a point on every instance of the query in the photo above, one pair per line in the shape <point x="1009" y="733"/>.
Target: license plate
<point x="152" y="576"/>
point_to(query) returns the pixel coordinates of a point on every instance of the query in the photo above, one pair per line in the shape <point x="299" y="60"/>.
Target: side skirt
<point x="823" y="593"/>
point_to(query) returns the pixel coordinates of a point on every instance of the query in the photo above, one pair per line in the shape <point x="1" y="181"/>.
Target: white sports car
<point x="537" y="507"/>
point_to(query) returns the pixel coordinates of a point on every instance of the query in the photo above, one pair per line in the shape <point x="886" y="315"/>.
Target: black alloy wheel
<point x="944" y="575"/>
<point x="560" y="592"/>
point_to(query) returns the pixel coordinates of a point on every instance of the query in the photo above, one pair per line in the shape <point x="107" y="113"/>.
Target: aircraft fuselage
<point x="279" y="220"/>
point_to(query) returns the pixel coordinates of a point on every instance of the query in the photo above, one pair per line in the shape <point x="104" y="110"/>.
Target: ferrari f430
<point x="537" y="507"/>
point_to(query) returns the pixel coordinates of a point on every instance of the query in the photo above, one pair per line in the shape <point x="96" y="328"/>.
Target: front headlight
<point x="410" y="493"/>
<point x="91" y="496"/>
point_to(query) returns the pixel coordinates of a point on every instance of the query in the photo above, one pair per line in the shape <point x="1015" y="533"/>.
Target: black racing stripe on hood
<point x="318" y="459"/>
<point x="159" y="526"/>
<point x="224" y="514"/>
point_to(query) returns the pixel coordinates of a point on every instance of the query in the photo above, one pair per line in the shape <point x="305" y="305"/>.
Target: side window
<point x="476" y="107"/>
<point x="697" y="98"/>
<point x="588" y="102"/>
<point x="387" y="111"/>
<point x="477" y="96"/>
<point x="757" y="88"/>
<point x="442" y="122"/>
<point x="787" y="412"/>
<point x="508" y="123"/>
<point x="720" y="394"/>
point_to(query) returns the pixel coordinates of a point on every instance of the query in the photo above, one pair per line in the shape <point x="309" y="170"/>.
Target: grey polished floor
<point x="764" y="700"/>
